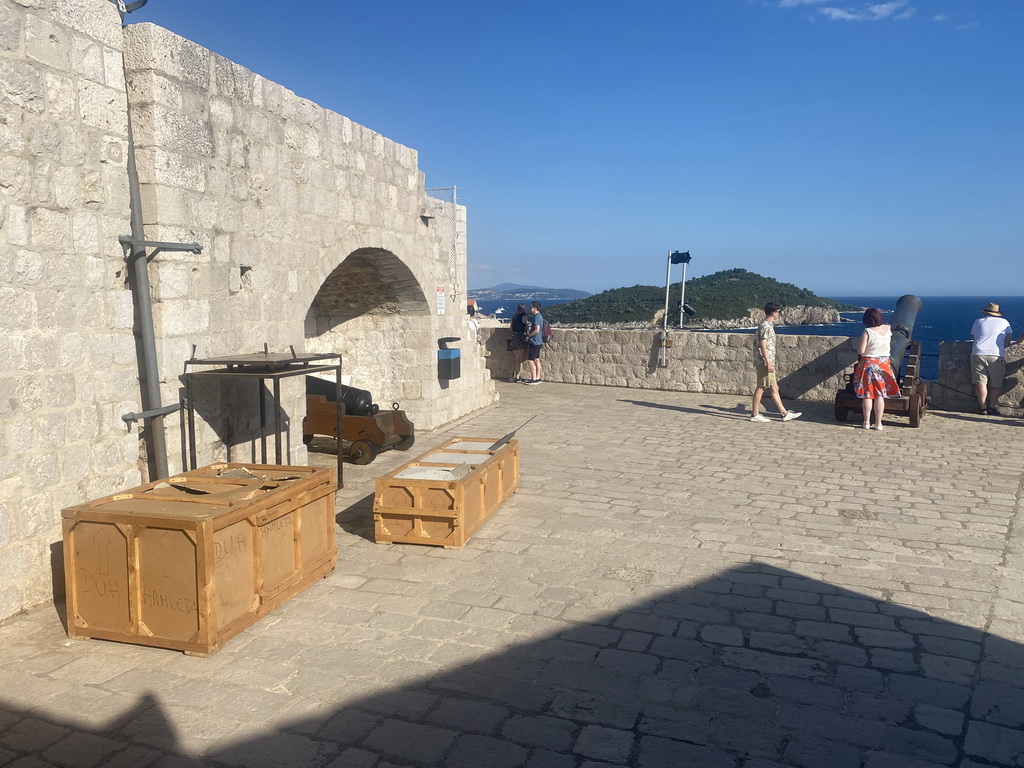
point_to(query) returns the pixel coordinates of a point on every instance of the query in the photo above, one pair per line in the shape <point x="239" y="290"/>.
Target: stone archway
<point x="372" y="311"/>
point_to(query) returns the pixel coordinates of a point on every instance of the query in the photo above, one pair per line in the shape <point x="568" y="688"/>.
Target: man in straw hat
<point x="991" y="334"/>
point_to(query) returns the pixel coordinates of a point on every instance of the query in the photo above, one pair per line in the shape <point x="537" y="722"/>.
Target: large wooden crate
<point x="188" y="562"/>
<point x="445" y="495"/>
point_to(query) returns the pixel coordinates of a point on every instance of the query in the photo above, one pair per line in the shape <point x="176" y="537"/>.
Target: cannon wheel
<point x="362" y="451"/>
<point x="406" y="443"/>
<point x="841" y="410"/>
<point x="916" y="409"/>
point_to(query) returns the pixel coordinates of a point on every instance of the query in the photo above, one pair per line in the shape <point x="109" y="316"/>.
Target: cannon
<point x="905" y="357"/>
<point x="365" y="429"/>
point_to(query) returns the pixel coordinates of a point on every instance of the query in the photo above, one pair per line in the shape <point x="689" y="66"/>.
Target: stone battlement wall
<point x="811" y="367"/>
<point x="316" y="233"/>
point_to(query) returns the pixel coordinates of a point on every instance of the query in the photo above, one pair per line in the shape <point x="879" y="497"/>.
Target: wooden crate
<point x="444" y="496"/>
<point x="188" y="562"/>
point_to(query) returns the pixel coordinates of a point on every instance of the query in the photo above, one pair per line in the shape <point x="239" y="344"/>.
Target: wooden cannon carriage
<point x="913" y="399"/>
<point x="365" y="429"/>
<point x="905" y="355"/>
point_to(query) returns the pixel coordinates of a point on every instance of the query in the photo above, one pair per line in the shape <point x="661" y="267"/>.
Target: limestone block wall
<point x="810" y="367"/>
<point x="312" y="233"/>
<point x="66" y="346"/>
<point x="295" y="206"/>
<point x="955" y="391"/>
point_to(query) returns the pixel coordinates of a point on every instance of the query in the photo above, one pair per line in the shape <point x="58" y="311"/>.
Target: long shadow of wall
<point x="755" y="668"/>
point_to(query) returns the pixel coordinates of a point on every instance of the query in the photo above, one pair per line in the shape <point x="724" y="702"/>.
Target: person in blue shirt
<point x="535" y="339"/>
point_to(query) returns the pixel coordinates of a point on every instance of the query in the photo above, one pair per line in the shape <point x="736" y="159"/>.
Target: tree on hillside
<point x="727" y="295"/>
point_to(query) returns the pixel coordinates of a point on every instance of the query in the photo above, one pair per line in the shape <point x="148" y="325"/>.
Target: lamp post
<point x="674" y="257"/>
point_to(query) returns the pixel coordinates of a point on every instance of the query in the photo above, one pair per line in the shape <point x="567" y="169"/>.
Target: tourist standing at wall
<point x="535" y="337"/>
<point x="874" y="380"/>
<point x="474" y="324"/>
<point x="764" y="365"/>
<point x="517" y="341"/>
<point x="991" y="334"/>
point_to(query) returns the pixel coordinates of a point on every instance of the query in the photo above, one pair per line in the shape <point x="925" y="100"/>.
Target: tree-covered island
<point x="728" y="299"/>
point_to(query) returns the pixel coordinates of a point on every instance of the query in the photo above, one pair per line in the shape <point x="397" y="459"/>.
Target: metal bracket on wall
<point x="128" y="242"/>
<point x="131" y="418"/>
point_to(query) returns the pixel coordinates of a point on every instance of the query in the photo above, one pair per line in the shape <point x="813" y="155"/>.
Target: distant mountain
<point x="513" y="292"/>
<point x="723" y="296"/>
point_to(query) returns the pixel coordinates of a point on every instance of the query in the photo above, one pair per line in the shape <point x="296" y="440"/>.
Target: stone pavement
<point x="671" y="586"/>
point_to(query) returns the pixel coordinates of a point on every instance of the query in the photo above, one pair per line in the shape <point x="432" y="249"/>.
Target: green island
<point x="726" y="296"/>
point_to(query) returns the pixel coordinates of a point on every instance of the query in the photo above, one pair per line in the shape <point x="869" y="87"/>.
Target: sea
<point x="942" y="318"/>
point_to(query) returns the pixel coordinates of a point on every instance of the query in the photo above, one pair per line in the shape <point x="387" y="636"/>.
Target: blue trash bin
<point x="449" y="364"/>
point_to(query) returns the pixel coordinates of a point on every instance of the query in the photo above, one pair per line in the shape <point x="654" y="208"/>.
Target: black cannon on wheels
<point x="905" y="356"/>
<point x="365" y="429"/>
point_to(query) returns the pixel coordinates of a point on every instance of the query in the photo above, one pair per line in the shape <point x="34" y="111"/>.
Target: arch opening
<point x="372" y="311"/>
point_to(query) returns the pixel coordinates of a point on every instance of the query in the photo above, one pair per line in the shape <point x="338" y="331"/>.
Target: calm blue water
<point x="942" y="318"/>
<point x="508" y="307"/>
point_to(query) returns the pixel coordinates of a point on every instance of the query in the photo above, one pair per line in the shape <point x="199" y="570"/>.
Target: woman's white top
<point x="878" y="343"/>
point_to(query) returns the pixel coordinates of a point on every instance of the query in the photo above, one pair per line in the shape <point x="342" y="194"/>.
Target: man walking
<point x="535" y="340"/>
<point x="764" y="365"/>
<point x="991" y="334"/>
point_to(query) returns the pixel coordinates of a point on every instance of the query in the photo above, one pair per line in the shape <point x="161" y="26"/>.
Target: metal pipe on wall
<point x="145" y="336"/>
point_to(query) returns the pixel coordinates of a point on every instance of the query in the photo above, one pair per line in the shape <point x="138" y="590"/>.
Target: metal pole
<point x="682" y="295"/>
<point x="277" y="420"/>
<point x="149" y="376"/>
<point x="668" y="278"/>
<point x="663" y="351"/>
<point x="337" y="416"/>
<point x="263" y="421"/>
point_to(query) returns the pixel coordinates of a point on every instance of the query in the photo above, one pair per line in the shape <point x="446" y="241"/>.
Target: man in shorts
<point x="764" y="365"/>
<point x="535" y="341"/>
<point x="991" y="334"/>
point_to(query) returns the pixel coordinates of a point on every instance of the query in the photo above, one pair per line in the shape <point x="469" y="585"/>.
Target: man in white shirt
<point x="991" y="334"/>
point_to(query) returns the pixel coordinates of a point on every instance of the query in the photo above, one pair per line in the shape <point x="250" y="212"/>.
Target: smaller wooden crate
<point x="189" y="562"/>
<point x="444" y="496"/>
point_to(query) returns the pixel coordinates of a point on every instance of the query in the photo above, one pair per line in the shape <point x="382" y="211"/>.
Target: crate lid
<point x="434" y="473"/>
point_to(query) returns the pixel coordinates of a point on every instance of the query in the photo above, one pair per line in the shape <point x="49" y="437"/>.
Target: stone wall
<point x="955" y="391"/>
<point x="812" y="367"/>
<point x="316" y="234"/>
<point x="66" y="341"/>
<point x="313" y="233"/>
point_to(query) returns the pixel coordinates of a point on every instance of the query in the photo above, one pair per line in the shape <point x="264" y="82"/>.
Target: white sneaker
<point x="759" y="417"/>
<point x="867" y="425"/>
<point x="792" y="415"/>
<point x="879" y="428"/>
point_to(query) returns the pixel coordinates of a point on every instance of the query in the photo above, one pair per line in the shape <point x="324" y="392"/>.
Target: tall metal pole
<point x="138" y="277"/>
<point x="668" y="278"/>
<point x="682" y="295"/>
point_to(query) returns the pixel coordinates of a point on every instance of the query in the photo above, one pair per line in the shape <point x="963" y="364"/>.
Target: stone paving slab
<point x="671" y="586"/>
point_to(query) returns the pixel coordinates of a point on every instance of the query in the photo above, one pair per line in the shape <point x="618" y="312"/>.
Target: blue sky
<point x="849" y="148"/>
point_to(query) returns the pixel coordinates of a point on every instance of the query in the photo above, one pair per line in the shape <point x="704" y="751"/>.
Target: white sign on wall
<point x="440" y="299"/>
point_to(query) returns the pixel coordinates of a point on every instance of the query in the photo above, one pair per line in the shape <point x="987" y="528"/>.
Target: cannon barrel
<point x="358" y="402"/>
<point x="902" y="324"/>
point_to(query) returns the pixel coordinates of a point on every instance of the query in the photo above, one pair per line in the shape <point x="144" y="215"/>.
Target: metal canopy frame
<point x="260" y="367"/>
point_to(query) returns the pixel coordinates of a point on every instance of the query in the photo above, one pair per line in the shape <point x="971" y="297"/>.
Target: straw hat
<point x="992" y="309"/>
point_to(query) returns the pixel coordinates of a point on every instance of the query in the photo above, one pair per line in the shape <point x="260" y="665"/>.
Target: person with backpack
<point x="517" y="342"/>
<point x="535" y="339"/>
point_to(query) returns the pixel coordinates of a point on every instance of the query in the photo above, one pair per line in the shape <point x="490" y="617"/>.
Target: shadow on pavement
<point x="755" y="668"/>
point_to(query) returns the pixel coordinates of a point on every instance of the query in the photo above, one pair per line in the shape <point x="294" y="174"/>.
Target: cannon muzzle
<point x="902" y="324"/>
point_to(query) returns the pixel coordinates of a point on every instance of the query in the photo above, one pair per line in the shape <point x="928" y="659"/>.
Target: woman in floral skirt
<point x="874" y="380"/>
